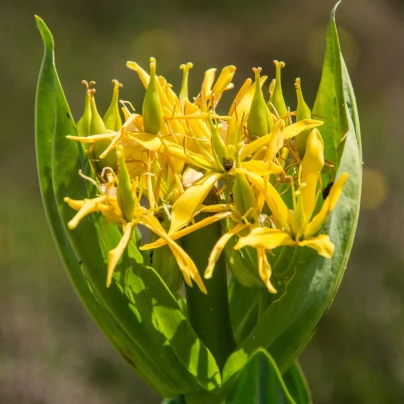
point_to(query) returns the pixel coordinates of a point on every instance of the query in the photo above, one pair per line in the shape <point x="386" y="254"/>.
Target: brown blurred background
<point x="50" y="351"/>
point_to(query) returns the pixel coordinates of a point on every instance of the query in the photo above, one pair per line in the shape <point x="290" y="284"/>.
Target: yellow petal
<point x="222" y="82"/>
<point x="312" y="164"/>
<point x="88" y="206"/>
<point x="264" y="269"/>
<point x="266" y="238"/>
<point x="273" y="199"/>
<point x="289" y="132"/>
<point x="181" y="233"/>
<point x="115" y="255"/>
<point x="188" y="203"/>
<point x="315" y="225"/>
<point x="241" y="93"/>
<point x="218" y="248"/>
<point x="207" y="84"/>
<point x="185" y="263"/>
<point x="322" y="244"/>
<point x="261" y="167"/>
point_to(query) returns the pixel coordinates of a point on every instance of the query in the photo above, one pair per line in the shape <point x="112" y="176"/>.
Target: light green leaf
<point x="151" y="326"/>
<point x="48" y="86"/>
<point x="328" y="106"/>
<point x="297" y="385"/>
<point x="260" y="382"/>
<point x="289" y="323"/>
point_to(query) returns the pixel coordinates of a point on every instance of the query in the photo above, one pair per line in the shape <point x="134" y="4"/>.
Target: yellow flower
<point x="297" y="227"/>
<point x="180" y="151"/>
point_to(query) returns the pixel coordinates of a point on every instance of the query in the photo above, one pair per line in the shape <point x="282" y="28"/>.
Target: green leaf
<point x="243" y="308"/>
<point x="297" y="384"/>
<point x="149" y="323"/>
<point x="328" y="106"/>
<point x="260" y="382"/>
<point x="48" y="86"/>
<point x="289" y="323"/>
<point x="174" y="400"/>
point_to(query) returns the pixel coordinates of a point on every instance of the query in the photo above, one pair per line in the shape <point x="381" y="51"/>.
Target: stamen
<point x="184" y="86"/>
<point x="88" y="84"/>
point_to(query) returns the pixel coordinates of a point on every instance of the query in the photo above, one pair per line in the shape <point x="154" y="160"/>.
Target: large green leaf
<point x="289" y="323"/>
<point x="48" y="86"/>
<point x="260" y="382"/>
<point x="297" y="385"/>
<point x="328" y="106"/>
<point x="157" y="336"/>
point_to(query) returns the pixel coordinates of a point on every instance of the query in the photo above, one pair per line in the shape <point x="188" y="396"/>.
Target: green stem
<point x="209" y="314"/>
<point x="205" y="398"/>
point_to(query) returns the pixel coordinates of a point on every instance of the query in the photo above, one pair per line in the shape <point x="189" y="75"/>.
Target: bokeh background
<point x="50" y="351"/>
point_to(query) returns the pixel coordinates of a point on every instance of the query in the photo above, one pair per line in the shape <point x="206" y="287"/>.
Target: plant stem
<point x="209" y="314"/>
<point x="205" y="398"/>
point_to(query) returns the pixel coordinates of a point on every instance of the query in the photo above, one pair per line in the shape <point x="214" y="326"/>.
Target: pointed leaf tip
<point x="46" y="35"/>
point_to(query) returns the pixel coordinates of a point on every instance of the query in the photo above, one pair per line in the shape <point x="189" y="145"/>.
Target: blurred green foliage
<point x="50" y="351"/>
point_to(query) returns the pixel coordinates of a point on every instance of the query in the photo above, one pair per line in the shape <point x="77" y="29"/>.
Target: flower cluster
<point x="180" y="166"/>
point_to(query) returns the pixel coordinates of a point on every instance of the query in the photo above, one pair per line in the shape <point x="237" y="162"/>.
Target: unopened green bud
<point x="302" y="112"/>
<point x="83" y="124"/>
<point x="219" y="147"/>
<point x="124" y="191"/>
<point x="259" y="122"/>
<point x="243" y="195"/>
<point x="97" y="127"/>
<point x="152" y="110"/>
<point x="112" y="118"/>
<point x="277" y="99"/>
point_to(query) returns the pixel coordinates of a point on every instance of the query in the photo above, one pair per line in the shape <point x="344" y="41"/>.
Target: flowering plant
<point x="268" y="192"/>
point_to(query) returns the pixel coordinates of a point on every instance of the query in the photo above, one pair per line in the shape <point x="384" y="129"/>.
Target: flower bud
<point x="302" y="112"/>
<point x="259" y="122"/>
<point x="97" y="127"/>
<point x="112" y="118"/>
<point x="243" y="195"/>
<point x="276" y="98"/>
<point x="152" y="111"/>
<point x="83" y="124"/>
<point x="219" y="147"/>
<point x="124" y="192"/>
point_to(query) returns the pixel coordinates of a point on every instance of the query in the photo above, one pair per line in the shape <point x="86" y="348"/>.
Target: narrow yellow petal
<point x="88" y="206"/>
<point x="289" y="132"/>
<point x="185" y="263"/>
<point x="181" y="233"/>
<point x="312" y="164"/>
<point x="315" y="225"/>
<point x="266" y="238"/>
<point x="218" y="248"/>
<point x="322" y="244"/>
<point x="336" y="190"/>
<point x="188" y="203"/>
<point x="264" y="269"/>
<point x="93" y="138"/>
<point x="115" y="255"/>
<point x="207" y="84"/>
<point x="222" y="82"/>
<point x="241" y="93"/>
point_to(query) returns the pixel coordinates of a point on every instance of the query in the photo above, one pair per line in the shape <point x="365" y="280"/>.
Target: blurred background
<point x="50" y="350"/>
